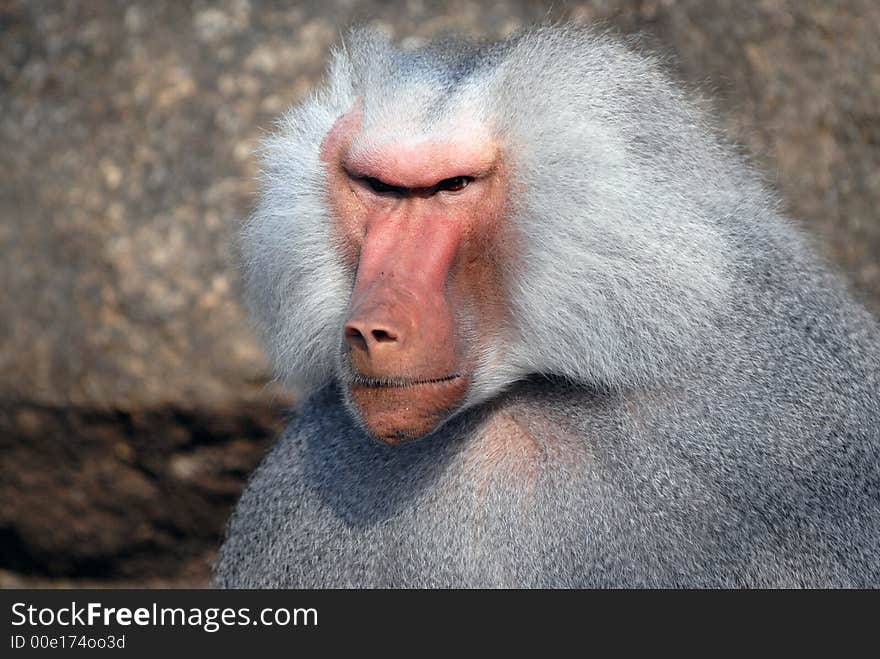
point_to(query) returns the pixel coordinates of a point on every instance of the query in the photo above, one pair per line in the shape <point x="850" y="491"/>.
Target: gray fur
<point x="699" y="398"/>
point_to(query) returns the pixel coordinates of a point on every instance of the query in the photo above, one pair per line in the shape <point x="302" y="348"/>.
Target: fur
<point x="684" y="394"/>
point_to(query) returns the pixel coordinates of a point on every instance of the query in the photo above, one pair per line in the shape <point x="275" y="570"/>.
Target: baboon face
<point x="437" y="224"/>
<point x="421" y="220"/>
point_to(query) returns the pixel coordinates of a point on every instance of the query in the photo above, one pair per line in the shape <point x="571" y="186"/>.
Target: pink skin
<point x="420" y="253"/>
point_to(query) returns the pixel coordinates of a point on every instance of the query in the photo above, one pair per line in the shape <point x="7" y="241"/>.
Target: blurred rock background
<point x="133" y="397"/>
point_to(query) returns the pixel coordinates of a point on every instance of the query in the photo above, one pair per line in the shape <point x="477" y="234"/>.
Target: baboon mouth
<point x="396" y="410"/>
<point x="399" y="383"/>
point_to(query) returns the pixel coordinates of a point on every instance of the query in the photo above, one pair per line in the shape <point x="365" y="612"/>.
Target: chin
<point x="397" y="414"/>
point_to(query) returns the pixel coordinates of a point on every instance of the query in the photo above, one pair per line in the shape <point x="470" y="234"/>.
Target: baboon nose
<point x="363" y="335"/>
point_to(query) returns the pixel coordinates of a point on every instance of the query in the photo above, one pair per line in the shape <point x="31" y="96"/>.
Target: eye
<point x="454" y="184"/>
<point x="381" y="187"/>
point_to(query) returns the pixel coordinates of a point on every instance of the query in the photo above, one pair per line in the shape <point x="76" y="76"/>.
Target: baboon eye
<point x="454" y="184"/>
<point x="381" y="187"/>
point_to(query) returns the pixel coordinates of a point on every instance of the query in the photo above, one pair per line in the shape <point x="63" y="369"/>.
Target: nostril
<point x="367" y="336"/>
<point x="355" y="338"/>
<point x="382" y="336"/>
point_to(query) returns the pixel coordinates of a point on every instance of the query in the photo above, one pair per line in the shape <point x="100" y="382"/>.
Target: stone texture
<point x="133" y="397"/>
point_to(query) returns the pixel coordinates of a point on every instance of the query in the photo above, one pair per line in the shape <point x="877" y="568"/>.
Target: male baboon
<point x="623" y="366"/>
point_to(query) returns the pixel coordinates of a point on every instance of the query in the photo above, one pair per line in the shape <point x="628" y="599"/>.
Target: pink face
<point x="423" y="223"/>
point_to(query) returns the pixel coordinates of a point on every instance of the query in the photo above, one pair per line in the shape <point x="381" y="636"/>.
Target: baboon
<point x="554" y="331"/>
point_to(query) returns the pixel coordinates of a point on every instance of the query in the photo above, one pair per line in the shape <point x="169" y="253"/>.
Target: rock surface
<point x="133" y="397"/>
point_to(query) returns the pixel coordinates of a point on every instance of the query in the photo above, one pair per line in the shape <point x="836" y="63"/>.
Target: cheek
<point x="482" y="280"/>
<point x="346" y="213"/>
